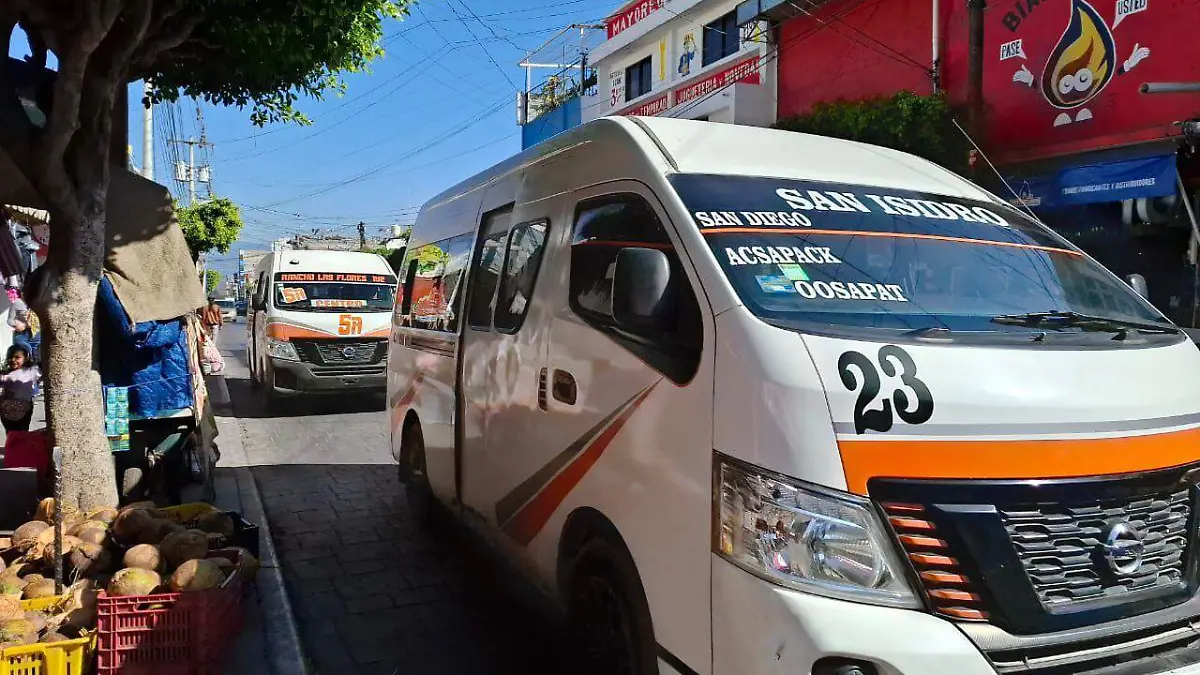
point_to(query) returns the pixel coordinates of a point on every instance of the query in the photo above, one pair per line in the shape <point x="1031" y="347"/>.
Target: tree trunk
<point x="75" y="407"/>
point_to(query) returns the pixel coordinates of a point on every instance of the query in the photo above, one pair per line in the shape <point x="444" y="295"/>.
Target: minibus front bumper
<point x="759" y="628"/>
<point x="306" y="377"/>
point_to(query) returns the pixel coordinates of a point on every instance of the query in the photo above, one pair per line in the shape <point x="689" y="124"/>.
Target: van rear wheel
<point x="415" y="477"/>
<point x="610" y="617"/>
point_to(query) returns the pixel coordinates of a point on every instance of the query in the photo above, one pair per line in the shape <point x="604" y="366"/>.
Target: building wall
<point x="671" y="34"/>
<point x="855" y="49"/>
<point x="551" y="123"/>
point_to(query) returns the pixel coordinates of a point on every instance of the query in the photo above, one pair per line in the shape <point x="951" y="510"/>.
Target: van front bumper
<point x="305" y="377"/>
<point x="760" y="628"/>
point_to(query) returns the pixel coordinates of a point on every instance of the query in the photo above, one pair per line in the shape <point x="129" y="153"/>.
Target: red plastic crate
<point x="168" y="633"/>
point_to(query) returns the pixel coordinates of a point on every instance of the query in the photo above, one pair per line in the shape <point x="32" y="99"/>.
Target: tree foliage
<point x="921" y="125"/>
<point x="210" y="226"/>
<point x="212" y="279"/>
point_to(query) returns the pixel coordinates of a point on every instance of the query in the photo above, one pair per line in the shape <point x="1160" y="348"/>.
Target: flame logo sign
<point x="1083" y="61"/>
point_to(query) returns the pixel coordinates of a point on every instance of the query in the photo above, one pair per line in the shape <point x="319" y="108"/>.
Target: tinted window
<point x="825" y="255"/>
<point x="525" y="246"/>
<point x="432" y="279"/>
<point x="334" y="292"/>
<point x="604" y="226"/>
<point x="638" y="79"/>
<point x="721" y="38"/>
<point x="485" y="273"/>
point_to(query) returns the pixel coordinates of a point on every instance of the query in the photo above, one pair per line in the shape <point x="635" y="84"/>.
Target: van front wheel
<point x="610" y="617"/>
<point x="413" y="474"/>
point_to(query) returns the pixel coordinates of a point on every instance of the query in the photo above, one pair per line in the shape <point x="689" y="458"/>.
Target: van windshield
<point x="858" y="257"/>
<point x="334" y="292"/>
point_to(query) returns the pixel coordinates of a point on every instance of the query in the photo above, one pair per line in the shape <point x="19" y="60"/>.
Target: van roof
<point x="713" y="148"/>
<point x="691" y="146"/>
<point x="330" y="261"/>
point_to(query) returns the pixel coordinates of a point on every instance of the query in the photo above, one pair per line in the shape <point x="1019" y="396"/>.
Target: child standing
<point x="18" y="384"/>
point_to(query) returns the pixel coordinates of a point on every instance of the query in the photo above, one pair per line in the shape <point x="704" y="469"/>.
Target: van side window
<point x="485" y="273"/>
<point x="526" y="243"/>
<point x="603" y="226"/>
<point x="431" y="284"/>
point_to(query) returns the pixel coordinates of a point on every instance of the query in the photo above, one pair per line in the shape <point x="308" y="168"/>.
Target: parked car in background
<point x="228" y="309"/>
<point x="240" y="307"/>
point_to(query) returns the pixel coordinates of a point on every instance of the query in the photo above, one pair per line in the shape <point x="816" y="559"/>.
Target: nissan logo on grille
<point x="1123" y="548"/>
<point x="348" y="352"/>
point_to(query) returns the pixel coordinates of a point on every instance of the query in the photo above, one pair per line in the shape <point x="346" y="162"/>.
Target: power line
<point x="479" y="42"/>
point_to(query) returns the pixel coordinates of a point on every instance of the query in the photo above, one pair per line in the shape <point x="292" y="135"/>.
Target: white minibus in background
<point x="745" y="401"/>
<point x="318" y="322"/>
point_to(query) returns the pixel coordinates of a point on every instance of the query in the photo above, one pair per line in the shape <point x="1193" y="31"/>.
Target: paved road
<point x="373" y="596"/>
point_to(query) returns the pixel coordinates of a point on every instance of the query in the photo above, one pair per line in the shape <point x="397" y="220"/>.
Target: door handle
<point x="564" y="389"/>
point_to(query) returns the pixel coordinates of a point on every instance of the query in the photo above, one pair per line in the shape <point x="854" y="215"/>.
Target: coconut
<point x="10" y="585"/>
<point x="106" y="516"/>
<point x="39" y="589"/>
<point x="18" y="631"/>
<point x="144" y="505"/>
<point x="5" y="544"/>
<point x="69" y="544"/>
<point x="90" y="559"/>
<point x="217" y="522"/>
<point x="179" y="547"/>
<point x="196" y="575"/>
<point x="53" y="637"/>
<point x="223" y="564"/>
<point x="93" y="534"/>
<point x="10" y="608"/>
<point x="247" y="565"/>
<point x="37" y="618"/>
<point x="45" y="510"/>
<point x="27" y="534"/>
<point x="134" y="581"/>
<point x="72" y="520"/>
<point x="157" y="531"/>
<point x="88" y="524"/>
<point x="145" y="556"/>
<point x="130" y="524"/>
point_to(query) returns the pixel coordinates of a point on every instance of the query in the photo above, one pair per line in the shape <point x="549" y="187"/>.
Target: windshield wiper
<point x="1054" y="320"/>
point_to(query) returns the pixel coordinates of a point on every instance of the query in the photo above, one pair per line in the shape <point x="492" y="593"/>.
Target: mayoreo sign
<point x="631" y="14"/>
<point x="745" y="71"/>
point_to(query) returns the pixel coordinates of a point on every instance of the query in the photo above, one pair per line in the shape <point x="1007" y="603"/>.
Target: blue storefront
<point x="1124" y="208"/>
<point x="552" y="122"/>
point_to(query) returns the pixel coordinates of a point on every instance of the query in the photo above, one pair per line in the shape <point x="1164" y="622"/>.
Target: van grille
<point x="340" y="352"/>
<point x="1058" y="543"/>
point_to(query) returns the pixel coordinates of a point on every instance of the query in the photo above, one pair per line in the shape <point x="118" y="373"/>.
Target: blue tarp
<point x="1140" y="178"/>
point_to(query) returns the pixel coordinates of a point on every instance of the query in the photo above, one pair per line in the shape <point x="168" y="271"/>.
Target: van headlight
<point x="812" y="539"/>
<point x="282" y="349"/>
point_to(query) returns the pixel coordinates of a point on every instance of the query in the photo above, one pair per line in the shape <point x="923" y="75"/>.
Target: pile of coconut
<point x="136" y="550"/>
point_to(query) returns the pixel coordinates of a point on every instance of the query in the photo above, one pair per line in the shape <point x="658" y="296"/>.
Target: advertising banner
<point x="1064" y="76"/>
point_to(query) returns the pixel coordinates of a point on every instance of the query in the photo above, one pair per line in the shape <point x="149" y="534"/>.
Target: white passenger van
<point x="319" y="321"/>
<point x="749" y="401"/>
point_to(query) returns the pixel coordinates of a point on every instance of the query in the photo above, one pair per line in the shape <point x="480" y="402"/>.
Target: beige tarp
<point x="148" y="261"/>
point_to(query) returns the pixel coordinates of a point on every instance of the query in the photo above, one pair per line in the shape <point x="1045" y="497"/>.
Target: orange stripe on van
<point x="1024" y="459"/>
<point x="894" y="235"/>
<point x="286" y="331"/>
<point x="529" y="521"/>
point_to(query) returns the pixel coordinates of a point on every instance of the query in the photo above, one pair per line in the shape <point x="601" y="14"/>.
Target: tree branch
<point x="170" y="31"/>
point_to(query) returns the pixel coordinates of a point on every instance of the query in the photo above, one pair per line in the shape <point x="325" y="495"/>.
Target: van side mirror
<point x="641" y="298"/>
<point x="1138" y="283"/>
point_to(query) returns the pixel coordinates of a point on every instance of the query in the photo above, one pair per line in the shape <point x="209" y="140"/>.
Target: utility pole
<point x="147" y="133"/>
<point x="188" y="173"/>
<point x="362" y="235"/>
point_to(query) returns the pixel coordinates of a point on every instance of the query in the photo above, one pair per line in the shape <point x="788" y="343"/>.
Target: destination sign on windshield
<point x="345" y="277"/>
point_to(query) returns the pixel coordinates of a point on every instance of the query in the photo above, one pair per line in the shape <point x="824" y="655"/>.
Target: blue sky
<point x="439" y="107"/>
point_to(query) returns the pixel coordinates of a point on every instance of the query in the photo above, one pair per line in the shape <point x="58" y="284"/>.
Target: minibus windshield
<point x="334" y="292"/>
<point x="838" y="255"/>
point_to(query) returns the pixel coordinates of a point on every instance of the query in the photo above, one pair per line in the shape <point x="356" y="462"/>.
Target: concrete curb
<point x="285" y="655"/>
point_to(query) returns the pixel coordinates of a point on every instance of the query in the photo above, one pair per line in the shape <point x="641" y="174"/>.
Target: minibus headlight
<point x="812" y="539"/>
<point x="282" y="350"/>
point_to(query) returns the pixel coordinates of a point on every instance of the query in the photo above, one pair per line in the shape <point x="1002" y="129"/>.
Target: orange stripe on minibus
<point x="894" y="235"/>
<point x="283" y="331"/>
<point x="1015" y="459"/>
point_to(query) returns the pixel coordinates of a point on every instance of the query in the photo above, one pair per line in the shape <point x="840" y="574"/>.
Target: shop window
<point x="603" y="226"/>
<point x="639" y="79"/>
<point x="721" y="38"/>
<point x="525" y="246"/>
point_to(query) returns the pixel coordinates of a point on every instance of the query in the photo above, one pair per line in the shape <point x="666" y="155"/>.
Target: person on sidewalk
<point x="18" y="384"/>
<point x="212" y="320"/>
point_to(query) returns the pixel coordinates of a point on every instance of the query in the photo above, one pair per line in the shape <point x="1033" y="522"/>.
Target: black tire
<point x="608" y="612"/>
<point x="421" y="503"/>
